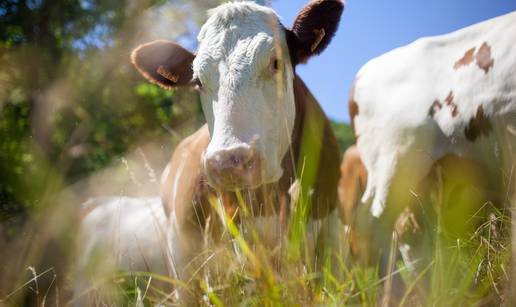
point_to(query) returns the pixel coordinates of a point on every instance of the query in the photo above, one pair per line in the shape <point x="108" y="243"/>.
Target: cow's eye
<point x="197" y="83"/>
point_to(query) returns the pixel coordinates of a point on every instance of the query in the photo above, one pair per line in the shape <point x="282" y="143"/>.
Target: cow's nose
<point x="238" y="167"/>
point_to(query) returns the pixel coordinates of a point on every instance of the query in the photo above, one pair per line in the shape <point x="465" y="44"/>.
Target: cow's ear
<point x="164" y="63"/>
<point x="313" y="29"/>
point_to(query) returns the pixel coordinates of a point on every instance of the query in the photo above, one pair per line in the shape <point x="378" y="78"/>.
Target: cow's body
<point x="186" y="194"/>
<point x="438" y="95"/>
<point x="447" y="95"/>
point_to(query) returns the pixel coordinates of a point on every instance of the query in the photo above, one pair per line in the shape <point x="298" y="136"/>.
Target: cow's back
<point x="446" y="78"/>
<point x="449" y="94"/>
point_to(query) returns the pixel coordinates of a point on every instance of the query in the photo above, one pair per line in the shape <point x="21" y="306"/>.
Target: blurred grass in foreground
<point x="468" y="265"/>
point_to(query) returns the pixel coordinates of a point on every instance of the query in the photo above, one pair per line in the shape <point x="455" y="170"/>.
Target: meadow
<point x="77" y="121"/>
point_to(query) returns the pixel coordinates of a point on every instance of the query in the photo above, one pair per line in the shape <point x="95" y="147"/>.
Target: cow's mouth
<point x="246" y="182"/>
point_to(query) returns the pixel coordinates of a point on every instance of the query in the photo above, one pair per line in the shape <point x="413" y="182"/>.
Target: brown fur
<point x="352" y="184"/>
<point x="466" y="59"/>
<point x="484" y="59"/>
<point x="478" y="125"/>
<point x="435" y="107"/>
<point x="449" y="102"/>
<point x="304" y="38"/>
<point x="353" y="109"/>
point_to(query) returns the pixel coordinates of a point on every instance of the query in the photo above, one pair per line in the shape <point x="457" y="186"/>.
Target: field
<point x="253" y="267"/>
<point x="78" y="122"/>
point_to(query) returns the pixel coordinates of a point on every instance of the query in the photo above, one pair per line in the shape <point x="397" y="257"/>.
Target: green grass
<point x="245" y="269"/>
<point x="241" y="271"/>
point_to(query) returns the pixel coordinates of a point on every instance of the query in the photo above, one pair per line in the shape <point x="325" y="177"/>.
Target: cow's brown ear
<point x="164" y="63"/>
<point x="313" y="29"/>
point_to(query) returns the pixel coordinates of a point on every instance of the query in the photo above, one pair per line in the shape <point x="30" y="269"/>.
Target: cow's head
<point x="244" y="71"/>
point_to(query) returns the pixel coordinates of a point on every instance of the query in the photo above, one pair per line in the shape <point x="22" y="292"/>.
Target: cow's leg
<point x="328" y="248"/>
<point x="390" y="189"/>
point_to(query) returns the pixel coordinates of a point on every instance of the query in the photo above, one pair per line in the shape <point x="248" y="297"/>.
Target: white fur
<point x="398" y="139"/>
<point x="120" y="233"/>
<point x="246" y="105"/>
<point x="260" y="2"/>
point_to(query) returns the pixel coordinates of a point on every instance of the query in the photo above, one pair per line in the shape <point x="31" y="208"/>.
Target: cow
<point x="452" y="194"/>
<point x="264" y="128"/>
<point x="453" y="94"/>
<point x="118" y="233"/>
<point x="452" y="182"/>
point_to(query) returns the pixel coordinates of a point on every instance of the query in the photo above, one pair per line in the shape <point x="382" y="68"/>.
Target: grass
<point x="244" y="271"/>
<point x="247" y="268"/>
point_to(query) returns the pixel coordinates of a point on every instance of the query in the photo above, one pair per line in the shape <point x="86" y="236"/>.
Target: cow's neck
<point x="290" y="160"/>
<point x="313" y="128"/>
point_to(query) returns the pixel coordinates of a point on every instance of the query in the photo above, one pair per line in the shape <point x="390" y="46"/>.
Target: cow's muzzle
<point x="235" y="168"/>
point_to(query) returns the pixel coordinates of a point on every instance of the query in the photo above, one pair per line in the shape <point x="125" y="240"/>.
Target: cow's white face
<point x="245" y="76"/>
<point x="244" y="70"/>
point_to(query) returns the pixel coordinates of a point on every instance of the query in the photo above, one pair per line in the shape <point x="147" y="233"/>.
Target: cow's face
<point x="244" y="71"/>
<point x="244" y="74"/>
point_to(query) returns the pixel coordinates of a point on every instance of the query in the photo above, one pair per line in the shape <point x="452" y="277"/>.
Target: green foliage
<point x="69" y="98"/>
<point x="344" y="134"/>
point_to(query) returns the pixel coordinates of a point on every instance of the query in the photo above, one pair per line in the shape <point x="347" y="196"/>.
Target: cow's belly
<point x="493" y="151"/>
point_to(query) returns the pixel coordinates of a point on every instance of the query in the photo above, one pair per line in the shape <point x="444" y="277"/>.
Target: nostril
<point x="249" y="164"/>
<point x="235" y="161"/>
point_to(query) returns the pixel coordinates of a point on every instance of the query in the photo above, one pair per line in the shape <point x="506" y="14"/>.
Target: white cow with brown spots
<point x="447" y="95"/>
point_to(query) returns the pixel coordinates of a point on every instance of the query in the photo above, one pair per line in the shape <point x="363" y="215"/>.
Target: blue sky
<point x="370" y="28"/>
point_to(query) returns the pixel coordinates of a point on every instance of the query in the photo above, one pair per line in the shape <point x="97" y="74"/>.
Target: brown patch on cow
<point x="478" y="125"/>
<point x="466" y="59"/>
<point x="483" y="57"/>
<point x="353" y="112"/>
<point x="449" y="102"/>
<point x="309" y="119"/>
<point x="434" y="108"/>
<point x="353" y="108"/>
<point x="352" y="183"/>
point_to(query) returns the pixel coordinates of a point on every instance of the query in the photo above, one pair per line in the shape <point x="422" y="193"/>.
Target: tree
<point x="69" y="98"/>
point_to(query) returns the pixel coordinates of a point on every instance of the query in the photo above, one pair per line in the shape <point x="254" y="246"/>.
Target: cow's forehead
<point x="241" y="33"/>
<point x="242" y="16"/>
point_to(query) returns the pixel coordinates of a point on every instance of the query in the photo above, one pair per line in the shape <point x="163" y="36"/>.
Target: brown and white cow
<point x="262" y="121"/>
<point x="447" y="95"/>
